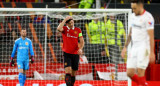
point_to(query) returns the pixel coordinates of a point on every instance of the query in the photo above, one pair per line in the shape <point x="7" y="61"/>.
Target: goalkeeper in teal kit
<point x="23" y="46"/>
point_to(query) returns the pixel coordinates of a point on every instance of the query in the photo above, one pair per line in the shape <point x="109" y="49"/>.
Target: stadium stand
<point x="31" y="5"/>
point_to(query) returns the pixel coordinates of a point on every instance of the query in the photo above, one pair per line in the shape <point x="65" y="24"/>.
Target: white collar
<point x="70" y="28"/>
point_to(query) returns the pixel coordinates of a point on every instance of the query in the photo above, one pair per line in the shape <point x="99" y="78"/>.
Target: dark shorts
<point x="71" y="60"/>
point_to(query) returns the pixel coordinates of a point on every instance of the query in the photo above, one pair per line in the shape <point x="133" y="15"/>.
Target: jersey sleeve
<point x="130" y="21"/>
<point x="150" y="22"/>
<point x="80" y="33"/>
<point x="64" y="29"/>
<point x="31" y="48"/>
<point x="14" y="49"/>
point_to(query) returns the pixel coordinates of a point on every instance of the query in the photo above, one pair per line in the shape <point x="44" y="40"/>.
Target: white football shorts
<point x="139" y="55"/>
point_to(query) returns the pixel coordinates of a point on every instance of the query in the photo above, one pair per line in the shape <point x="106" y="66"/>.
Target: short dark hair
<point x="68" y="20"/>
<point x="137" y="1"/>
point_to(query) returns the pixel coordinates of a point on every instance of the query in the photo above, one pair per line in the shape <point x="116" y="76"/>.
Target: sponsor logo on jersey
<point x="26" y="43"/>
<point x="138" y="26"/>
<point x="23" y="47"/>
<point x="68" y="35"/>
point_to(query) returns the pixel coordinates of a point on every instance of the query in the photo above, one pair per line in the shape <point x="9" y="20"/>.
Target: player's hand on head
<point x="68" y="17"/>
<point x="12" y="62"/>
<point x="32" y="59"/>
<point x="123" y="53"/>
<point x="152" y="58"/>
<point x="80" y="51"/>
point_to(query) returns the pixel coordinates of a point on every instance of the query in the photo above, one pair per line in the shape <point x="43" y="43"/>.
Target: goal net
<point x="104" y="32"/>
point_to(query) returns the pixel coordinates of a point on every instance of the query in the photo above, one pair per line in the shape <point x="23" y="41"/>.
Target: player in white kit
<point x="142" y="47"/>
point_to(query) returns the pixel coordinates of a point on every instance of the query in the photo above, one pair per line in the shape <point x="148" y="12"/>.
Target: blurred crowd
<point x="75" y="3"/>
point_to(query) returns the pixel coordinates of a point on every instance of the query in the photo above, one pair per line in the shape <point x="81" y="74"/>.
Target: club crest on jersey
<point x="65" y="63"/>
<point x="26" y="43"/>
<point x="75" y="32"/>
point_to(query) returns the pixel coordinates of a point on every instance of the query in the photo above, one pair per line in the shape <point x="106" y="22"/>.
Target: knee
<point x="73" y="73"/>
<point x="141" y="72"/>
<point x="20" y="70"/>
<point x="68" y="70"/>
<point x="24" y="72"/>
<point x="130" y="74"/>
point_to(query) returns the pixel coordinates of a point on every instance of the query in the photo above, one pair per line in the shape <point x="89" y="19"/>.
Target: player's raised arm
<point x="126" y="44"/>
<point x="60" y="27"/>
<point x="31" y="52"/>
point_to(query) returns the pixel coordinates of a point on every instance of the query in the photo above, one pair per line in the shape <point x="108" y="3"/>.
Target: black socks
<point x="68" y="80"/>
<point x="73" y="80"/>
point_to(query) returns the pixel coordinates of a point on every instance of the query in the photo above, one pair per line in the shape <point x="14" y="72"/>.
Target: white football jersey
<point x="140" y="24"/>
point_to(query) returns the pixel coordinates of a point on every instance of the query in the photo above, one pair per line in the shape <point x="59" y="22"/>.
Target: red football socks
<point x="142" y="80"/>
<point x="135" y="78"/>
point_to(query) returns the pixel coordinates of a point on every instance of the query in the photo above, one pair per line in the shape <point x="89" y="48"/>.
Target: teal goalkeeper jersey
<point x="23" y="47"/>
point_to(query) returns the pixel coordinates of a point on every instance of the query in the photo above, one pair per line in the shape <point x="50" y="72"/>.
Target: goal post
<point x="104" y="32"/>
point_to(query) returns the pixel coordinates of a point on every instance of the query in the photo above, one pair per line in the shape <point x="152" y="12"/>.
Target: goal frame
<point x="46" y="10"/>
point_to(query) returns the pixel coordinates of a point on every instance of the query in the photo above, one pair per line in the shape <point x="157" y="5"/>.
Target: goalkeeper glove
<point x="12" y="62"/>
<point x="32" y="59"/>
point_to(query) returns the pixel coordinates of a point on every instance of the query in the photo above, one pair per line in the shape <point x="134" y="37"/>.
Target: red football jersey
<point x="70" y="39"/>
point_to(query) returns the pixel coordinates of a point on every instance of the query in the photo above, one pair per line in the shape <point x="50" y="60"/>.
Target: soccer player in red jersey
<point x="71" y="35"/>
